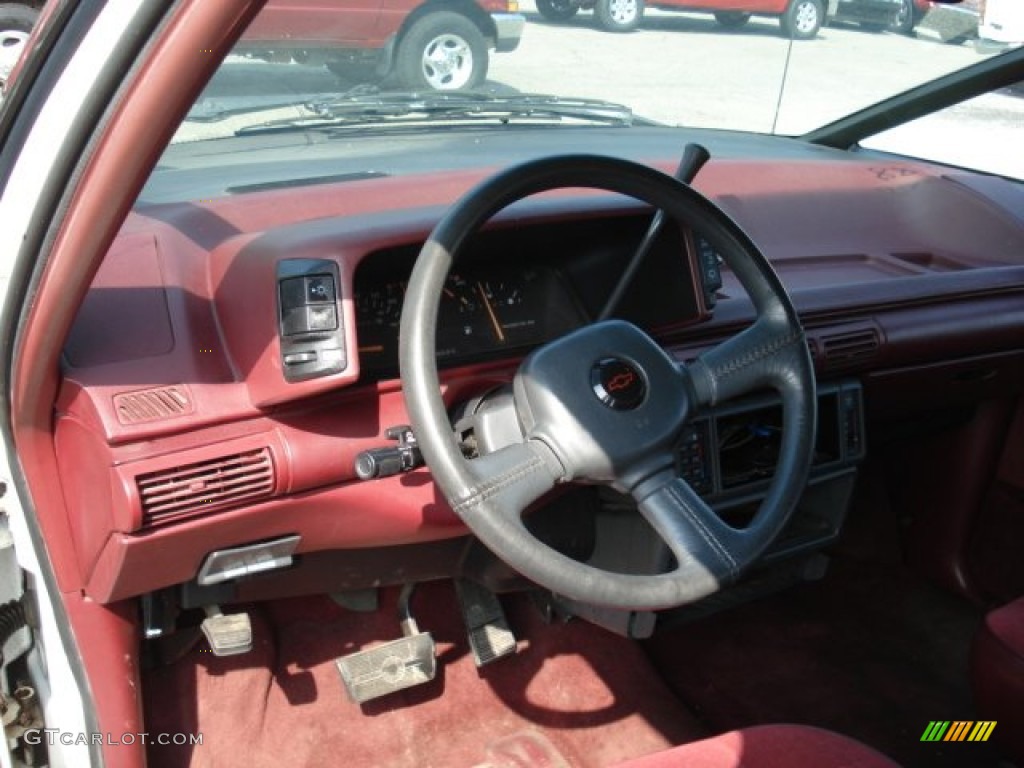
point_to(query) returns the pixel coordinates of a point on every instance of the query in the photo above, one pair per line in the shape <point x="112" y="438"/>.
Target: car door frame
<point x="99" y="96"/>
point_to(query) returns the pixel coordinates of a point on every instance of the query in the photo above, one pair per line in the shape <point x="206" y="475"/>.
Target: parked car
<point x="909" y="15"/>
<point x="800" y="19"/>
<point x="438" y="45"/>
<point x="16" y="20"/>
<point x="648" y="407"/>
<point x="435" y="45"/>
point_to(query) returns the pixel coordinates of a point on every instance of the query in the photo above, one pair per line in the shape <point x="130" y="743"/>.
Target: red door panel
<point x="318" y="23"/>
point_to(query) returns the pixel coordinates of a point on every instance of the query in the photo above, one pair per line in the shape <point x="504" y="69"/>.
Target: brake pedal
<point x="228" y="634"/>
<point x="403" y="663"/>
<point x="489" y="635"/>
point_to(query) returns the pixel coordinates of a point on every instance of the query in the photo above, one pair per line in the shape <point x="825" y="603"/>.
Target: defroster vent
<point x="195" y="489"/>
<point x="147" y="405"/>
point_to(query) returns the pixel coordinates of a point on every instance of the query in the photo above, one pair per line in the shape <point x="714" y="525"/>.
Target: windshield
<point x="341" y="72"/>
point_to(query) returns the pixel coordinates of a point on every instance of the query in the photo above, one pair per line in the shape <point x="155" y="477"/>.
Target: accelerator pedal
<point x="489" y="635"/>
<point x="228" y="634"/>
<point x="403" y="663"/>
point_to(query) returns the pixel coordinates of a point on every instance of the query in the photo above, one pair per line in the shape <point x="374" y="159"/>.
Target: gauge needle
<point x="490" y="311"/>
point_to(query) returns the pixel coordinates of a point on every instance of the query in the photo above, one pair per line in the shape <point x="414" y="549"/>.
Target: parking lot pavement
<point x="579" y="58"/>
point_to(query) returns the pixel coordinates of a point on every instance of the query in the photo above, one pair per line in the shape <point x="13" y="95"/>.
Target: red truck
<point x="436" y="44"/>
<point x="799" y="19"/>
<point x="417" y="44"/>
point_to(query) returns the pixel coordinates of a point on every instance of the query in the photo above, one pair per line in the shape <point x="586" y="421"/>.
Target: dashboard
<point x="176" y="388"/>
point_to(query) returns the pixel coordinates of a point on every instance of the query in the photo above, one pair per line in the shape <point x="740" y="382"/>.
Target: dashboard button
<point x="322" y="318"/>
<point x="298" y="358"/>
<point x="319" y="289"/>
<point x="333" y="357"/>
<point x="292" y="294"/>
<point x="294" y="321"/>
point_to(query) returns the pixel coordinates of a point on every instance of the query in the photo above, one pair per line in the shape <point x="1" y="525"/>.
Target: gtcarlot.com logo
<point x="958" y="730"/>
<point x="53" y="736"/>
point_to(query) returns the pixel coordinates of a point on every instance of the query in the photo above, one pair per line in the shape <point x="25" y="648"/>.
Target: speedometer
<point x="516" y="302"/>
<point x="486" y="310"/>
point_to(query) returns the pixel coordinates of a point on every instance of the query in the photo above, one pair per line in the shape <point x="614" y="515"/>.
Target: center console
<point x="729" y="455"/>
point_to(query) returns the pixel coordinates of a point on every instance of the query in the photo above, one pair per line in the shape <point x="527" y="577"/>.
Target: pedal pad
<point x="489" y="635"/>
<point x="227" y="634"/>
<point x="391" y="667"/>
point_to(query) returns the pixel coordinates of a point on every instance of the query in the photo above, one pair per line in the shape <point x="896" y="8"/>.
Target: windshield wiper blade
<point x="214" y="108"/>
<point x="412" y="108"/>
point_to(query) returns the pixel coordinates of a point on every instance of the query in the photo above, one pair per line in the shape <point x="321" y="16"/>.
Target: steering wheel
<point x="605" y="404"/>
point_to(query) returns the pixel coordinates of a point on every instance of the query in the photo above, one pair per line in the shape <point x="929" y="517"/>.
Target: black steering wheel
<point x="605" y="404"/>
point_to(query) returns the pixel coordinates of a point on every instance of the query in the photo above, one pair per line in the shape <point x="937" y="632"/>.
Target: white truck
<point x="1002" y="22"/>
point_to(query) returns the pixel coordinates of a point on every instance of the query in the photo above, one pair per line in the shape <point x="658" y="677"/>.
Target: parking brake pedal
<point x="394" y="666"/>
<point x="489" y="635"/>
<point x="228" y="634"/>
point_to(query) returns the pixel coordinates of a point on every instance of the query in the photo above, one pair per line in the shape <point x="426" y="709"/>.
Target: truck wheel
<point x="906" y="18"/>
<point x="732" y="19"/>
<point x="802" y="19"/>
<point x="619" y="15"/>
<point x="442" y="51"/>
<point x="557" y="10"/>
<point x="15" y="24"/>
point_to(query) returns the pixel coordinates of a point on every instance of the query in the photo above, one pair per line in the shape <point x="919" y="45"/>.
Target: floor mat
<point x="573" y="693"/>
<point x="871" y="651"/>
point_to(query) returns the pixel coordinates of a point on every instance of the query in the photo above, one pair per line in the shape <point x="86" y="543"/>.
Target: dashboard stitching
<point x="491" y="488"/>
<point x="706" y="533"/>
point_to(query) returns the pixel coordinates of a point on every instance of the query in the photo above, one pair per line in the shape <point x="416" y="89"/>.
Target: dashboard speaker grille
<point x="194" y="489"/>
<point x="152" y="405"/>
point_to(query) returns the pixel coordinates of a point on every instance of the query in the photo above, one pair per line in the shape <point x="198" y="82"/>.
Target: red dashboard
<point x="175" y="391"/>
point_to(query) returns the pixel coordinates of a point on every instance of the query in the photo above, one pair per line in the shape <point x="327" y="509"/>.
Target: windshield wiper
<point x="415" y="108"/>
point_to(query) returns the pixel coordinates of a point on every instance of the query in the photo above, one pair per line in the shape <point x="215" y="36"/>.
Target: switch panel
<point x="310" y="325"/>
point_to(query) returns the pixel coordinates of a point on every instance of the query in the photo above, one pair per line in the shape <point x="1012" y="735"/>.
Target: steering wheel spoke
<point x="510" y="479"/>
<point x="764" y="355"/>
<point x="705" y="547"/>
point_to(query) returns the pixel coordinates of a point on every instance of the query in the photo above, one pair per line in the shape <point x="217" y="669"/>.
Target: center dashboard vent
<point x="844" y="348"/>
<point x="194" y="489"/>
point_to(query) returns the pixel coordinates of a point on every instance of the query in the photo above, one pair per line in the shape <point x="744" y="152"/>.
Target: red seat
<point x="768" y="746"/>
<point x="997" y="675"/>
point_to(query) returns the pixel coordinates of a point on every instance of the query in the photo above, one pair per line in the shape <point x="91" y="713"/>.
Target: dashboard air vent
<point x="146" y="405"/>
<point x="844" y="348"/>
<point x="205" y="486"/>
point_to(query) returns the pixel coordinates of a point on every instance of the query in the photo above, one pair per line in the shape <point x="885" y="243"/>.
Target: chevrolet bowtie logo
<point x="621" y="382"/>
<point x="618" y="384"/>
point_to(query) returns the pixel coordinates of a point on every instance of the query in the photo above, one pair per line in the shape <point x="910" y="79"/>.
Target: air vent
<point x="146" y="405"/>
<point x="847" y="348"/>
<point x="205" y="486"/>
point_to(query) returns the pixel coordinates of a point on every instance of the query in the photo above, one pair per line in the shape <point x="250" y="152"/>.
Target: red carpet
<point x="572" y="690"/>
